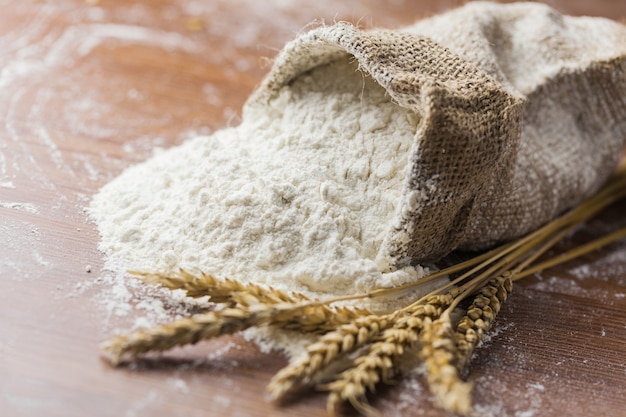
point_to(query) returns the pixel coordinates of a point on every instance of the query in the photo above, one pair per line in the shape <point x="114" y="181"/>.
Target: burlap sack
<point x="523" y="115"/>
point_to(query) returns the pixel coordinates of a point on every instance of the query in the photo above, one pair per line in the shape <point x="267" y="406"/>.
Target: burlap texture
<point x="523" y="115"/>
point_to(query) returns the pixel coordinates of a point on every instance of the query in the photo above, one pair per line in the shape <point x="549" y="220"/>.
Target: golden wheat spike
<point x="379" y="361"/>
<point x="219" y="290"/>
<point x="181" y="332"/>
<point x="438" y="351"/>
<point x="327" y="349"/>
<point x="478" y="318"/>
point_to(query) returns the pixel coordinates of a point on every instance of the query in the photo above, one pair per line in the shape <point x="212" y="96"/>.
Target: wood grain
<point x="88" y="88"/>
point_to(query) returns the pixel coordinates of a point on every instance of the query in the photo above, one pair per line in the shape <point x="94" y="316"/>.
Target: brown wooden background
<point x="88" y="88"/>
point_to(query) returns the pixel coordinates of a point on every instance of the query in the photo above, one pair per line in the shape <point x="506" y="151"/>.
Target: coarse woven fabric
<point x="523" y="115"/>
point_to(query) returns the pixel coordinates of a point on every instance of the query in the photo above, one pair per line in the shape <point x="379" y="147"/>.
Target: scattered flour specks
<point x="178" y="385"/>
<point x="222" y="351"/>
<point x="143" y="404"/>
<point x="15" y="205"/>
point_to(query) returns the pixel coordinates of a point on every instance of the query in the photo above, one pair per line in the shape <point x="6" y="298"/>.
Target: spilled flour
<point x="299" y="196"/>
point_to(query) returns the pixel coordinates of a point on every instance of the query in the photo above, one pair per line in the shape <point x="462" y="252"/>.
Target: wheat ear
<point x="439" y="354"/>
<point x="471" y="328"/>
<point x="182" y="332"/>
<point x="219" y="290"/>
<point x="325" y="350"/>
<point x="380" y="360"/>
<point x="317" y="317"/>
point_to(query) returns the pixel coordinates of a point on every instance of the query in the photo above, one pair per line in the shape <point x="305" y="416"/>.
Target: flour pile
<point x="299" y="196"/>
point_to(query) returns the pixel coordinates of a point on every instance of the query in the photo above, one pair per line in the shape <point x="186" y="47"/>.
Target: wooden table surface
<point x="88" y="88"/>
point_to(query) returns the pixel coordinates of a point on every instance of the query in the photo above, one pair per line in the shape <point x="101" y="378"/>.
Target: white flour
<point x="299" y="196"/>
